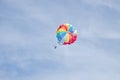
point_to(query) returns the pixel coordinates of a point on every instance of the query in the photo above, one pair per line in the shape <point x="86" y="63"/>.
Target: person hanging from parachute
<point x="66" y="34"/>
<point x="55" y="47"/>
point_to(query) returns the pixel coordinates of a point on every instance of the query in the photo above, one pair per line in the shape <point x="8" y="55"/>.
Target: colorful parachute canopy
<point x="66" y="34"/>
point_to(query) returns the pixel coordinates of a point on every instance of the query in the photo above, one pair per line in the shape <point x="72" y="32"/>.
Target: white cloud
<point x="28" y="50"/>
<point x="113" y="4"/>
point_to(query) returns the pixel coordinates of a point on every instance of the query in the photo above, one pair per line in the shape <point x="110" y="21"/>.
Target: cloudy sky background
<point x="27" y="40"/>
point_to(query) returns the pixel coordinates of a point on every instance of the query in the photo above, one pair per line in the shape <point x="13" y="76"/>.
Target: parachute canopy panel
<point x="66" y="34"/>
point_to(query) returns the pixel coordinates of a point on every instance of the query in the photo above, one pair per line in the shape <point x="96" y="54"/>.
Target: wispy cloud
<point x="113" y="4"/>
<point x="27" y="39"/>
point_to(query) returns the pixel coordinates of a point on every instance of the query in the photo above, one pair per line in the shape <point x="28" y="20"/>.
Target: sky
<point x="28" y="36"/>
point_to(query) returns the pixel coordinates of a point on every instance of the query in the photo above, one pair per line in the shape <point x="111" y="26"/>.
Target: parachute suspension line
<point x="78" y="42"/>
<point x="53" y="46"/>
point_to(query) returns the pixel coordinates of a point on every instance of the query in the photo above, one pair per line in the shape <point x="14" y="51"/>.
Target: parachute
<point x="66" y="34"/>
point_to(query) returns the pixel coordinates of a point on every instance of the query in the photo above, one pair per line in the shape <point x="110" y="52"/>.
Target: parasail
<point x="66" y="34"/>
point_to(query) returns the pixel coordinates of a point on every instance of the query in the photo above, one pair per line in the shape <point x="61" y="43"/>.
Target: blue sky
<point x="27" y="40"/>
